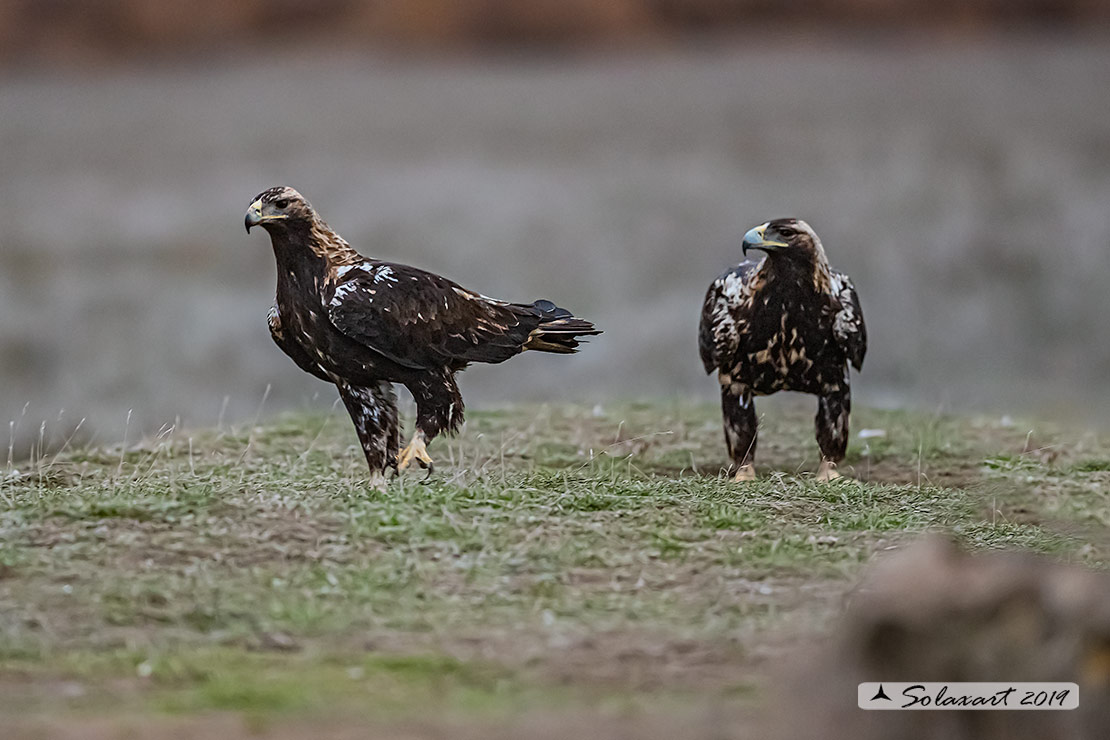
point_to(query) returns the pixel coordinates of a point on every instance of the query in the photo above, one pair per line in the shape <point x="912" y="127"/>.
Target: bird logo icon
<point x="881" y="694"/>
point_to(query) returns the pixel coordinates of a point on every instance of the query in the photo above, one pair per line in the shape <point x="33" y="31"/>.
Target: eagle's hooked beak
<point x="755" y="239"/>
<point x="254" y="215"/>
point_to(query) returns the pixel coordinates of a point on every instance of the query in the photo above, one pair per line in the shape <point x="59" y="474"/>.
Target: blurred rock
<point x="935" y="613"/>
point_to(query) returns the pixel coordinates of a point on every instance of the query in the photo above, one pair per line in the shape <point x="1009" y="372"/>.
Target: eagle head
<point x="279" y="207"/>
<point x="783" y="235"/>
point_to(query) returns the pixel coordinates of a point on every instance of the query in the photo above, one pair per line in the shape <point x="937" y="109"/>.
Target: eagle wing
<point x="421" y="320"/>
<point x="848" y="326"/>
<point x="722" y="315"/>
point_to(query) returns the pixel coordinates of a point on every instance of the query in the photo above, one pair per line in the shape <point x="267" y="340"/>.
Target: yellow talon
<point x="745" y="473"/>
<point x="415" y="451"/>
<point x="827" y="471"/>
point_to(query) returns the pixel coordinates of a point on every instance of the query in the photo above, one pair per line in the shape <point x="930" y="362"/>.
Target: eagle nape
<point x="364" y="324"/>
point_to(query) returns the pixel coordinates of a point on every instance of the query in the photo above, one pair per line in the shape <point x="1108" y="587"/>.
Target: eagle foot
<point x="377" y="482"/>
<point x="745" y="473"/>
<point x="415" y="451"/>
<point x="827" y="471"/>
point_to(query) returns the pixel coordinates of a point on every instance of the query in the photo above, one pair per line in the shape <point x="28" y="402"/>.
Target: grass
<point x="563" y="558"/>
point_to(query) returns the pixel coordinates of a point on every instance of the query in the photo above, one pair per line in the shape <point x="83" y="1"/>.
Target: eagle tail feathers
<point x="559" y="330"/>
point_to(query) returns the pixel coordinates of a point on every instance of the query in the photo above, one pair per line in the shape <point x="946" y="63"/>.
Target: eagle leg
<point x="439" y="408"/>
<point x="373" y="410"/>
<point x="741" y="427"/>
<point x="833" y="409"/>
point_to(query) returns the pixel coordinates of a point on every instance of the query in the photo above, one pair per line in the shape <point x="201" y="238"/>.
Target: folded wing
<point x="422" y="321"/>
<point x="848" y="326"/>
<point x="723" y="316"/>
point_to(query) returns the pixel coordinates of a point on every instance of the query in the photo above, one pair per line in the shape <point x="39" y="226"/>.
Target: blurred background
<point x="606" y="154"/>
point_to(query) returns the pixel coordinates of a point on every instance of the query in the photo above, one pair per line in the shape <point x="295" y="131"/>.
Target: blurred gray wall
<point x="964" y="184"/>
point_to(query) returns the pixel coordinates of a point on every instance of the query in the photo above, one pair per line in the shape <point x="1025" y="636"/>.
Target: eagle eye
<point x="281" y="204"/>
<point x="787" y="231"/>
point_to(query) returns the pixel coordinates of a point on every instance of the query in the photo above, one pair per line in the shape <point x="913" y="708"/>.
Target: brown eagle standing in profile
<point x="786" y="323"/>
<point x="364" y="324"/>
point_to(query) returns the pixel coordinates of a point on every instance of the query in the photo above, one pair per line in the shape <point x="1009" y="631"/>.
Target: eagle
<point x="786" y="323"/>
<point x="365" y="324"/>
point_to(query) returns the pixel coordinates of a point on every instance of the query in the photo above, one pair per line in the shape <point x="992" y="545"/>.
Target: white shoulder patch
<point x="385" y="272"/>
<point x="734" y="287"/>
<point x="342" y="291"/>
<point x="343" y="270"/>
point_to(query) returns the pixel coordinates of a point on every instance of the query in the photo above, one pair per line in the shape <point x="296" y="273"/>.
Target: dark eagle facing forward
<point x="364" y="324"/>
<point x="786" y="323"/>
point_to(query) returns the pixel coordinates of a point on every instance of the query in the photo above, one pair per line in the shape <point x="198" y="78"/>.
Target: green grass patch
<point x="559" y="553"/>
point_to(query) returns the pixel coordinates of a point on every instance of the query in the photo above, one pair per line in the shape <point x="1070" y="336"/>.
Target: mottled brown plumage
<point x="787" y="323"/>
<point x="364" y="324"/>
